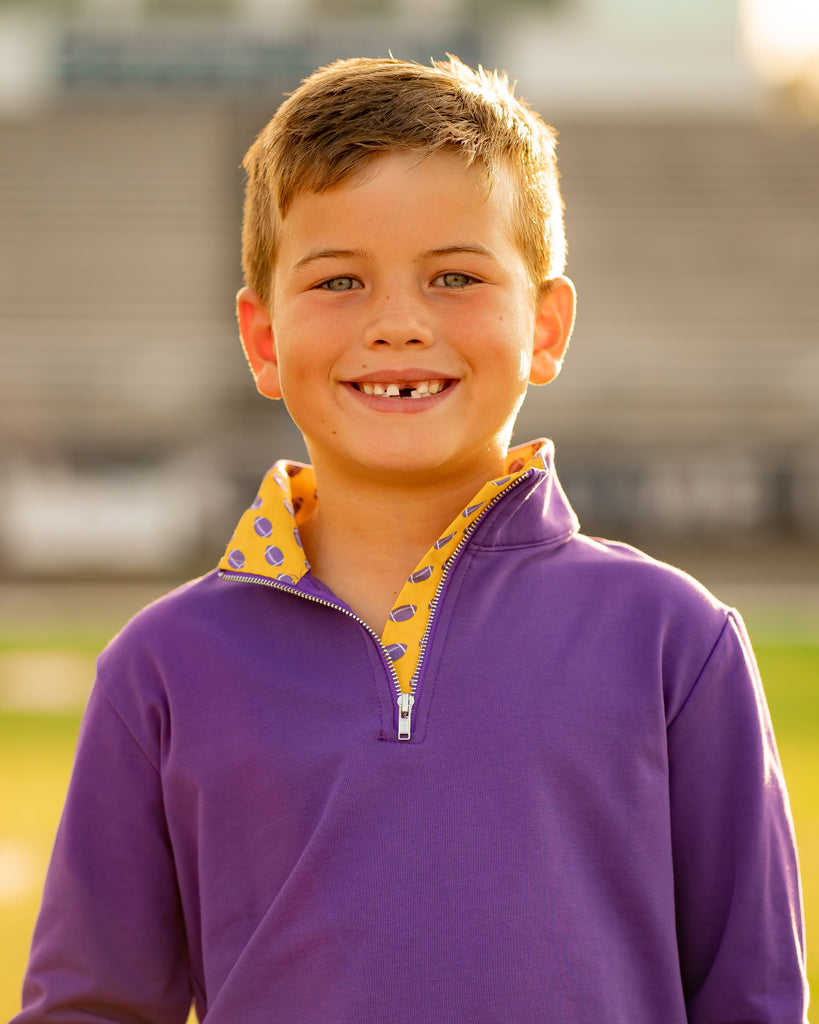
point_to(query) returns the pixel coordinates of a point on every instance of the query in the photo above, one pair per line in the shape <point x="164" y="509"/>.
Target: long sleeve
<point x="109" y="944"/>
<point x="739" y="911"/>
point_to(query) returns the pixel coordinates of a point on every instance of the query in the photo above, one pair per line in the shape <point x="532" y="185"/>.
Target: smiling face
<point x="403" y="327"/>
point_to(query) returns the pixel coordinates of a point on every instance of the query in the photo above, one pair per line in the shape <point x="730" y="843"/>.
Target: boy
<point x="419" y="751"/>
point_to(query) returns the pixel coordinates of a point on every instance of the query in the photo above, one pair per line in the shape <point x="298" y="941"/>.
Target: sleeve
<point x="738" y="902"/>
<point x="109" y="944"/>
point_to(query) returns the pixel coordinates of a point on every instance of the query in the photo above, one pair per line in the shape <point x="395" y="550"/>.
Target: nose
<point x="398" y="319"/>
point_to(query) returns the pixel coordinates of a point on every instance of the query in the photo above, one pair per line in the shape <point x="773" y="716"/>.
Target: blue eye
<point x="340" y="284"/>
<point x="453" y="279"/>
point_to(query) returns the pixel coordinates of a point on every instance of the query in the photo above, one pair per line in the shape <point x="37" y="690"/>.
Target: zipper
<point x="405" y="701"/>
<point x="405" y="708"/>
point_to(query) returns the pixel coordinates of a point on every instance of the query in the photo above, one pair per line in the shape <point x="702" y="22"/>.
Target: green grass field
<point x="36" y="752"/>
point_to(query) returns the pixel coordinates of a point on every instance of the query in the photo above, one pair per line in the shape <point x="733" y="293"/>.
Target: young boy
<point x="419" y="750"/>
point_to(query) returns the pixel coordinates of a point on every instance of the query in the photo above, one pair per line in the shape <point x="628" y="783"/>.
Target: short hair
<point x="346" y="113"/>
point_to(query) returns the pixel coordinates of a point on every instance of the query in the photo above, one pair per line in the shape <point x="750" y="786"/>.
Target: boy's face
<point x="403" y="328"/>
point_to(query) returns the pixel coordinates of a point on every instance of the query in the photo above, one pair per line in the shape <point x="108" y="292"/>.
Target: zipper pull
<point x="405" y="702"/>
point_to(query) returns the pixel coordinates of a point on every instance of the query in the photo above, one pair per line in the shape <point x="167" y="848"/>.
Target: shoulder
<point x="641" y="604"/>
<point x="179" y="657"/>
<point x="163" y="618"/>
<point x="176" y="637"/>
<point x="639" y="580"/>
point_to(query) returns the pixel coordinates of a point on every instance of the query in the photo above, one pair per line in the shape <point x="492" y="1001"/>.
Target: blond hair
<point x="351" y="110"/>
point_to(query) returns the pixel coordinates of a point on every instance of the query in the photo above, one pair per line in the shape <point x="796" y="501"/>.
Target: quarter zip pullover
<point x="588" y="822"/>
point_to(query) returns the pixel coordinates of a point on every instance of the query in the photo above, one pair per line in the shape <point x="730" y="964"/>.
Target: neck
<point x="364" y="539"/>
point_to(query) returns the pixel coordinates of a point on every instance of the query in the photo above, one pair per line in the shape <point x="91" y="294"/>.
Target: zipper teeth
<point x="275" y="585"/>
<point x="433" y="605"/>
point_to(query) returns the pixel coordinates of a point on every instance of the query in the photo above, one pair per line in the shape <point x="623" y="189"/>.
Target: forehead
<point x="327" y="174"/>
<point x="423" y="193"/>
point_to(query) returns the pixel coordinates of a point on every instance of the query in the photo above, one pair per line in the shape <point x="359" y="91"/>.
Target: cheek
<point x="297" y="345"/>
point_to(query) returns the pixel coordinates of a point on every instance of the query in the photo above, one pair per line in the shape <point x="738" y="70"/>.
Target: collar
<point x="266" y="541"/>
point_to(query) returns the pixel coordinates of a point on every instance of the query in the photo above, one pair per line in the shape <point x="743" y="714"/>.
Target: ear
<point x="256" y="329"/>
<point x="553" y="329"/>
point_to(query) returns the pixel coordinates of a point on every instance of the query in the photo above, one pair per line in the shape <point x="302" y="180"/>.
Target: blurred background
<point x="131" y="437"/>
<point x="688" y="412"/>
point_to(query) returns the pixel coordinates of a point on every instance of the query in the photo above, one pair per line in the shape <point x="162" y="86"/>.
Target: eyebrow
<point x="446" y="250"/>
<point x="329" y="254"/>
<point x="457" y="249"/>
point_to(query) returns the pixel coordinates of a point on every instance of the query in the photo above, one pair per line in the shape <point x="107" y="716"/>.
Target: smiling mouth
<point x="408" y="389"/>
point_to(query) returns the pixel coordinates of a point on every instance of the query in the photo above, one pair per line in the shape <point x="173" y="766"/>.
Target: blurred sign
<point x="55" y="520"/>
<point x="203" y="59"/>
<point x="156" y="58"/>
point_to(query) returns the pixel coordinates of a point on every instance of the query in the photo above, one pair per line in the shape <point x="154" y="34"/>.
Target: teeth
<point x="421" y="389"/>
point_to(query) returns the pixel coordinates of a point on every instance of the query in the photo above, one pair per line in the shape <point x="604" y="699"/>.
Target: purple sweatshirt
<point x="588" y="823"/>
